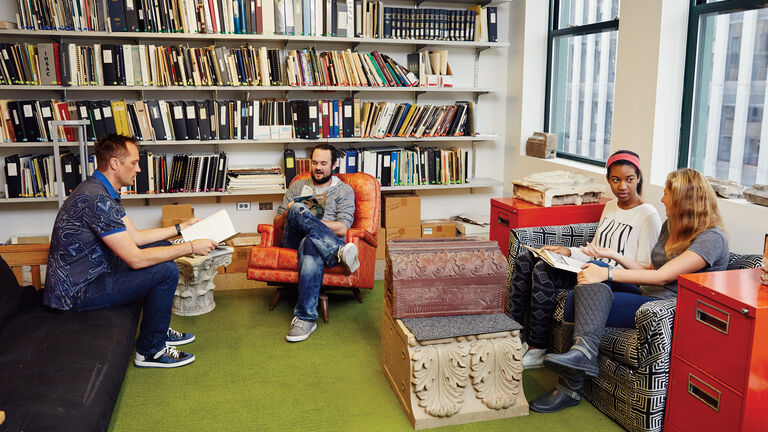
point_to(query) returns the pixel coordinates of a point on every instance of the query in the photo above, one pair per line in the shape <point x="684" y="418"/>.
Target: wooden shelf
<point x="366" y="141"/>
<point x="284" y="39"/>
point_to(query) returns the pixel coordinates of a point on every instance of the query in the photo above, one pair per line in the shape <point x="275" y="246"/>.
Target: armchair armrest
<point x="655" y="321"/>
<point x="267" y="234"/>
<point x="363" y="235"/>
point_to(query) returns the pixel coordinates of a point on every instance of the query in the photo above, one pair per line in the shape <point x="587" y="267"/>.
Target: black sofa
<point x="59" y="371"/>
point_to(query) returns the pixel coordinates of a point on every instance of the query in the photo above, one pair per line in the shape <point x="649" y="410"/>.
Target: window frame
<point x="553" y="33"/>
<point x="696" y="10"/>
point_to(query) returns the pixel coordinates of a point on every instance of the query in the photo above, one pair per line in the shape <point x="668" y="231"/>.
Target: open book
<point x="217" y="227"/>
<point x="556" y="260"/>
<point x="315" y="203"/>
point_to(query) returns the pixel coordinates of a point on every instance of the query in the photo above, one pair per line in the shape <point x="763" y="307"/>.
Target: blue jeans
<point x="317" y="246"/>
<point x="151" y="287"/>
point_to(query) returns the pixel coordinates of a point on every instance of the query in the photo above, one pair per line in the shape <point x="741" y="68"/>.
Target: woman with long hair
<point x="627" y="231"/>
<point x="691" y="241"/>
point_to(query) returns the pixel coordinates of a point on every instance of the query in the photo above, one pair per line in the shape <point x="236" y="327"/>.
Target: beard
<point x="321" y="180"/>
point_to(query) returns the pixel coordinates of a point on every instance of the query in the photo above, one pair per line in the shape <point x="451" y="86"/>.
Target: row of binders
<point x="29" y="176"/>
<point x="161" y="120"/>
<point x="180" y="65"/>
<point x="359" y="18"/>
<point x="395" y="166"/>
<point x="27" y="121"/>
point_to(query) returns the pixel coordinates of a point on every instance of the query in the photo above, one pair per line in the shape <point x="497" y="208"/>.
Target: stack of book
<point x="361" y="18"/>
<point x="409" y="166"/>
<point x="29" y="176"/>
<point x="346" y="68"/>
<point x="259" y="178"/>
<point x="387" y="119"/>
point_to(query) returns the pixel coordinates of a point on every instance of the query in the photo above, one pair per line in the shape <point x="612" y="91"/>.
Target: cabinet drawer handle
<point x="696" y="388"/>
<point x="503" y="220"/>
<point x="706" y="317"/>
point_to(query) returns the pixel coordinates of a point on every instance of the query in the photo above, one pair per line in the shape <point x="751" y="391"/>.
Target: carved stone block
<point x="438" y="277"/>
<point x="454" y="380"/>
<point x="194" y="294"/>
<point x="757" y="194"/>
<point x="557" y="188"/>
<point x="727" y="188"/>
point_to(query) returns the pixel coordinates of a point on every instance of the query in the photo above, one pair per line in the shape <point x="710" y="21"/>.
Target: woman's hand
<point x="593" y="250"/>
<point x="592" y="273"/>
<point x="558" y="249"/>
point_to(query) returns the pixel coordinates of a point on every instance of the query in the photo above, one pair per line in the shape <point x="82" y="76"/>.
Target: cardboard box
<point x="402" y="210"/>
<point x="173" y="214"/>
<point x="381" y="248"/>
<point x="409" y="232"/>
<point x="27" y="239"/>
<point x="242" y="254"/>
<point x="434" y="228"/>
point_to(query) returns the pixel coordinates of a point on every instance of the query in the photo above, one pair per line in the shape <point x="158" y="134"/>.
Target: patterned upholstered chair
<point x="271" y="263"/>
<point x="634" y="363"/>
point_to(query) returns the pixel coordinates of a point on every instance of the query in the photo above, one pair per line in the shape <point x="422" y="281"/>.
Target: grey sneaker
<point x="347" y="255"/>
<point x="300" y="330"/>
<point x="534" y="358"/>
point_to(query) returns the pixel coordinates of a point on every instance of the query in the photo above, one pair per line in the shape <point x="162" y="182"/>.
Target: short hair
<point x="628" y="163"/>
<point x="112" y="146"/>
<point x="326" y="146"/>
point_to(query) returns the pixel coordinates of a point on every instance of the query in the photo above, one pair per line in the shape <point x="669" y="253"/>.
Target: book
<point x="217" y="227"/>
<point x="315" y="203"/>
<point x="556" y="260"/>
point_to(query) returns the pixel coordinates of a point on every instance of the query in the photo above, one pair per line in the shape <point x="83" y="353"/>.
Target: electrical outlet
<point x="244" y="206"/>
<point x="265" y="206"/>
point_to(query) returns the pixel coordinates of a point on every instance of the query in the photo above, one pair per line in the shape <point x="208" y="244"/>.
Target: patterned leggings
<point x="534" y="287"/>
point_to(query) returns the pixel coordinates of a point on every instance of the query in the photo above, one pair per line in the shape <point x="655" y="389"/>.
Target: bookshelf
<point x="470" y="60"/>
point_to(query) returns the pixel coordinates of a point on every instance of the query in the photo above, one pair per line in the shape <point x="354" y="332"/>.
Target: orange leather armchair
<point x="271" y="263"/>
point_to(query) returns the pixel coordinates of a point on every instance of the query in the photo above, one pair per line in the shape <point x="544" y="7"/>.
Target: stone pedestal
<point x="194" y="294"/>
<point x="453" y="380"/>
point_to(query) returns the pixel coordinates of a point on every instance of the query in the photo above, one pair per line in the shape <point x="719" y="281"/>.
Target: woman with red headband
<point x="691" y="241"/>
<point x="627" y="231"/>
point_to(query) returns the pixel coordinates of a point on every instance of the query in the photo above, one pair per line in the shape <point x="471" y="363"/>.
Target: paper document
<point x="217" y="227"/>
<point x="556" y="260"/>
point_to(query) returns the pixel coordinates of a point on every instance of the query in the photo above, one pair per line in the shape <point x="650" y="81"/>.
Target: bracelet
<point x="191" y="246"/>
<point x="178" y="229"/>
<point x="610" y="274"/>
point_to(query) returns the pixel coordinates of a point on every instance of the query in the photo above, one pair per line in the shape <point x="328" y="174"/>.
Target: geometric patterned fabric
<point x="631" y="387"/>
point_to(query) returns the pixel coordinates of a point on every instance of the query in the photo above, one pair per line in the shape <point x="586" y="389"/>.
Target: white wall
<point x="37" y="218"/>
<point x="648" y="94"/>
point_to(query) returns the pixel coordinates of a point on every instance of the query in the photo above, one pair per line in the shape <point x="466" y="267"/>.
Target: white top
<point x="631" y="232"/>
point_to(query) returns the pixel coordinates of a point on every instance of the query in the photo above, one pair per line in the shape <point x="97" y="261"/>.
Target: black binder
<point x="142" y="178"/>
<point x="493" y="35"/>
<point x="46" y="115"/>
<point x="117" y="15"/>
<point x="16" y="117"/>
<point x="29" y="120"/>
<point x="109" y="119"/>
<point x="289" y="157"/>
<point x="156" y="120"/>
<point x="70" y="167"/>
<point x="348" y="119"/>
<point x="131" y="15"/>
<point x="223" y="119"/>
<point x="97" y="119"/>
<point x="203" y="120"/>
<point x="213" y="116"/>
<point x="108" y="64"/>
<point x="13" y="176"/>
<point x="179" y="120"/>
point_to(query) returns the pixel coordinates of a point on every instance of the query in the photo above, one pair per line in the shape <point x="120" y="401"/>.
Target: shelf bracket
<point x="419" y="47"/>
<point x="478" y="94"/>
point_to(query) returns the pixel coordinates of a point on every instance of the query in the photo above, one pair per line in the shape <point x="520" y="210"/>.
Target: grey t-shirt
<point x="711" y="245"/>
<point x="340" y="201"/>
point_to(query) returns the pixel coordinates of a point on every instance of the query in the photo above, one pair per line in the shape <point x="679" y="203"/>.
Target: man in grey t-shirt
<point x="315" y="215"/>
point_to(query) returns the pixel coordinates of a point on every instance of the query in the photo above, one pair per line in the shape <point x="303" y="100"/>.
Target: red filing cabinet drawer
<point x="509" y="213"/>
<point x="698" y="402"/>
<point x="717" y="339"/>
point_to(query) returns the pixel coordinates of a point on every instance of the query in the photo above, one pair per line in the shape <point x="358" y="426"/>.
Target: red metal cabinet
<point x="509" y="213"/>
<point x="719" y="370"/>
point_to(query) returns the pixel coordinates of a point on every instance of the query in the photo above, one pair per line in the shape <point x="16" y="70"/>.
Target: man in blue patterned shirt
<point x="99" y="259"/>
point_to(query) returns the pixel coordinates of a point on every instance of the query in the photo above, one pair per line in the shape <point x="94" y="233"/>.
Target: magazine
<point x="315" y="203"/>
<point x="556" y="260"/>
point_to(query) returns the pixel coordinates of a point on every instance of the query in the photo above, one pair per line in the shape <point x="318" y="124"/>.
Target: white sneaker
<point x="347" y="255"/>
<point x="300" y="330"/>
<point x="534" y="358"/>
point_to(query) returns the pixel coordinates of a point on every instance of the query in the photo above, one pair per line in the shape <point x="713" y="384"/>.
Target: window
<point x="724" y="117"/>
<point x="581" y="72"/>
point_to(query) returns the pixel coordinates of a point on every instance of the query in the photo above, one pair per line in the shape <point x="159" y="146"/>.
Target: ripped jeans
<point x="317" y="246"/>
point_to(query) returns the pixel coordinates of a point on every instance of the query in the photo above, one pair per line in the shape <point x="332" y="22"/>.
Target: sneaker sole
<point x="302" y="337"/>
<point x="181" y="342"/>
<point x="151" y="364"/>
<point x="350" y="256"/>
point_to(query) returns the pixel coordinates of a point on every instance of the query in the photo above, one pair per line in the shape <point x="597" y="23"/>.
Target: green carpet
<point x="247" y="378"/>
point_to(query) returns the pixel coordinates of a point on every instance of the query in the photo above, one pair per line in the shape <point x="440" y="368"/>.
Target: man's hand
<point x="558" y="249"/>
<point x="203" y="246"/>
<point x="186" y="224"/>
<point x="592" y="273"/>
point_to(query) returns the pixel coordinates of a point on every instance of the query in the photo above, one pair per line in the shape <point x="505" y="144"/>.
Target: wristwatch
<point x="178" y="229"/>
<point x="610" y="274"/>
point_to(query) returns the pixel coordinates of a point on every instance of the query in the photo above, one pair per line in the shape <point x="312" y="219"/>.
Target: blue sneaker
<point x="175" y="338"/>
<point x="168" y="357"/>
